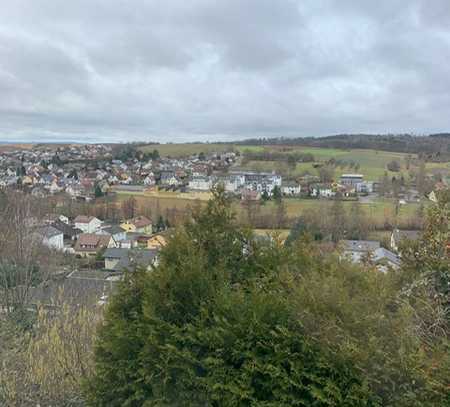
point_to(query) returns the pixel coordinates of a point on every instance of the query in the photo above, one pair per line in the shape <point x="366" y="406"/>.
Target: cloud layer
<point x="102" y="70"/>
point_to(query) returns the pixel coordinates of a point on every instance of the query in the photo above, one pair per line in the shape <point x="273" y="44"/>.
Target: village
<point x="86" y="172"/>
<point x="104" y="250"/>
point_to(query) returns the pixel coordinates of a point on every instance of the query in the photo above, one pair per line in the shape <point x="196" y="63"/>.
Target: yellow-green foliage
<point x="48" y="365"/>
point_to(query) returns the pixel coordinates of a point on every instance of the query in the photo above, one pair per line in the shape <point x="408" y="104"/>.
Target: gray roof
<point x="66" y="229"/>
<point x="74" y="290"/>
<point x="129" y="257"/>
<point x="49" y="232"/>
<point x="115" y="253"/>
<point x="114" y="230"/>
<point x="381" y="254"/>
<point x="360" y="245"/>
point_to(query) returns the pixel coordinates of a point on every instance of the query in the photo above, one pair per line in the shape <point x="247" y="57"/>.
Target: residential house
<point x="262" y="181"/>
<point x="140" y="224"/>
<point x="291" y="189"/>
<point x="201" y="183"/>
<point x="51" y="237"/>
<point x="358" y="250"/>
<point x="88" y="224"/>
<point x="69" y="232"/>
<point x="322" y="191"/>
<point x="118" y="233"/>
<point x="156" y="242"/>
<point x="365" y="187"/>
<point x="89" y="244"/>
<point x="54" y="217"/>
<point x="150" y="180"/>
<point x="234" y="182"/>
<point x="169" y="178"/>
<point x="370" y="252"/>
<point x="385" y="260"/>
<point x="352" y="179"/>
<point x="400" y="237"/>
<point x="117" y="259"/>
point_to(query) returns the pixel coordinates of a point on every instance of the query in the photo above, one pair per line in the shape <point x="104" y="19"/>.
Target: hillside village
<point x="84" y="172"/>
<point x="103" y="250"/>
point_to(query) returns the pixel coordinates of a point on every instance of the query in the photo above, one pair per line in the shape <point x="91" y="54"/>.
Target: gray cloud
<point x="221" y="69"/>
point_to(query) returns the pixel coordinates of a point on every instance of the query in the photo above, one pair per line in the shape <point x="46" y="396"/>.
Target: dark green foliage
<point x="276" y="193"/>
<point x="20" y="171"/>
<point x="98" y="191"/>
<point x="225" y="320"/>
<point x="57" y="160"/>
<point x="73" y="174"/>
<point x="393" y="166"/>
<point x="155" y="155"/>
<point x="160" y="225"/>
<point x="214" y="325"/>
<point x="304" y="228"/>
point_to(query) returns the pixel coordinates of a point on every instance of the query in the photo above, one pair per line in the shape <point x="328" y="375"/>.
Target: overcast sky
<point x="185" y="70"/>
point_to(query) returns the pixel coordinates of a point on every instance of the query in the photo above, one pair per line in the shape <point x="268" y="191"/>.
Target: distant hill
<point x="433" y="146"/>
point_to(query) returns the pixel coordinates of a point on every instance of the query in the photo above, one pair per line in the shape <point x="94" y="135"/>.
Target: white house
<point x="233" y="182"/>
<point x="352" y="179"/>
<point x="291" y="189"/>
<point x="88" y="224"/>
<point x="201" y="183"/>
<point x="322" y="192"/>
<point x="149" y="180"/>
<point x="51" y="237"/>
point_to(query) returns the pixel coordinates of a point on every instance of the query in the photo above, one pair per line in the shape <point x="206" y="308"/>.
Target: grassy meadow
<point x="187" y="149"/>
<point x="372" y="164"/>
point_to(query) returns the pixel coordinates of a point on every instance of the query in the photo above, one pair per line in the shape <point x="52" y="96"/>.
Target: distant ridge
<point x="433" y="145"/>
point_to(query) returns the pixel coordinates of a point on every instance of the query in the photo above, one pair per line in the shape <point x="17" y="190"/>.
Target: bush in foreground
<point x="227" y="321"/>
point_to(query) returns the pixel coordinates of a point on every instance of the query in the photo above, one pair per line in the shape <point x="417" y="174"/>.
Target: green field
<point x="372" y="162"/>
<point x="378" y="212"/>
<point x="187" y="149"/>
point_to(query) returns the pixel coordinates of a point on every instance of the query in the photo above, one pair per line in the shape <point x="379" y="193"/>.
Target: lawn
<point x="372" y="162"/>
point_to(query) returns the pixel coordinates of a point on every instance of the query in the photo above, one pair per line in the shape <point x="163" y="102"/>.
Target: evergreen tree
<point x="265" y="196"/>
<point x="211" y="326"/>
<point x="155" y="154"/>
<point x="276" y="193"/>
<point x="160" y="225"/>
<point x="98" y="191"/>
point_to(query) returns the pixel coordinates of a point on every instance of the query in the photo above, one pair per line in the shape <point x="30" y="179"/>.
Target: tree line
<point x="434" y="147"/>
